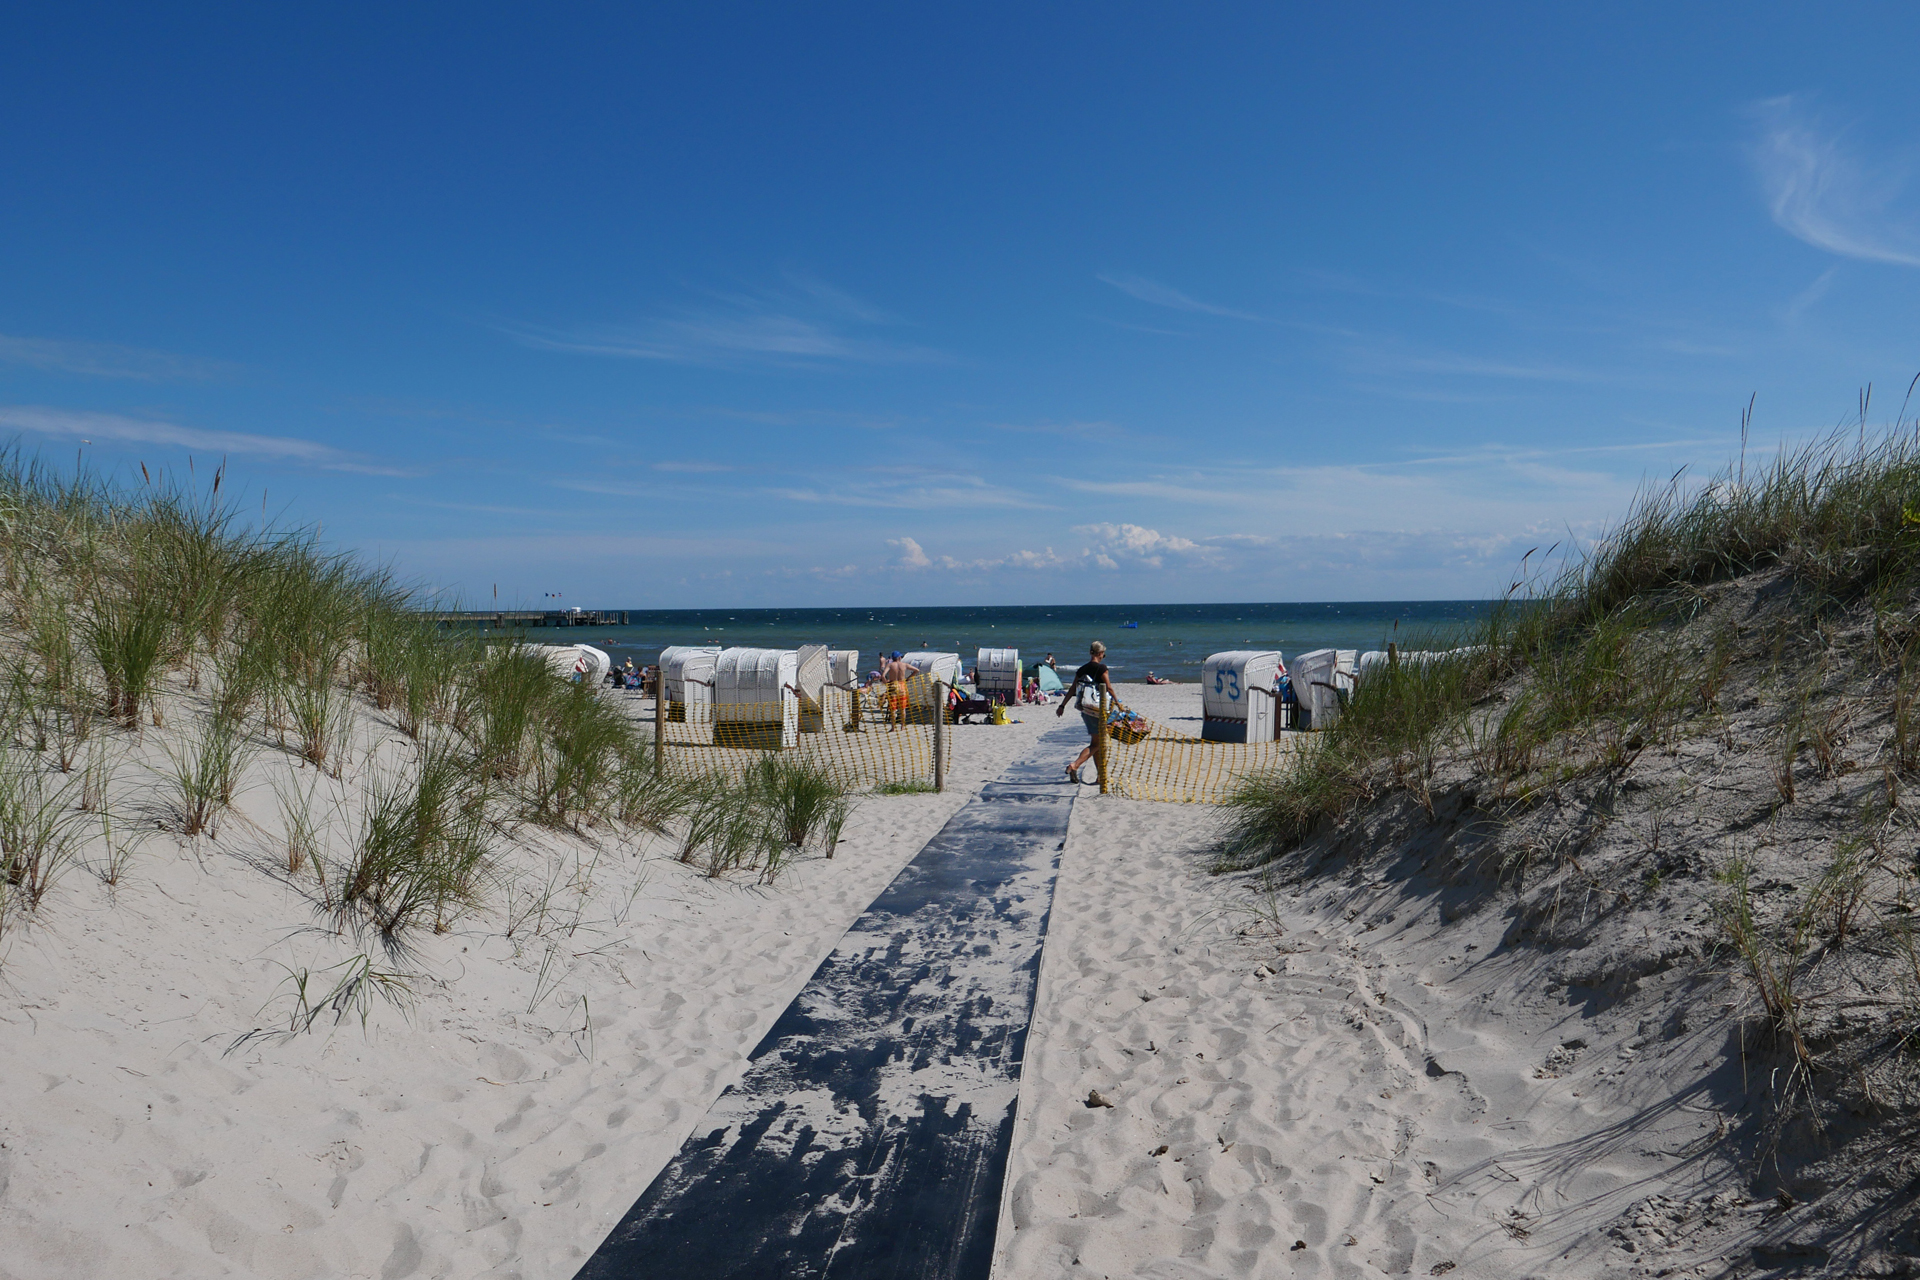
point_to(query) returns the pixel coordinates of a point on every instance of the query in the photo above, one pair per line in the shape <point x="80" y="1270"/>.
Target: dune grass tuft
<point x="421" y="855"/>
<point x="1591" y="660"/>
<point x="126" y="605"/>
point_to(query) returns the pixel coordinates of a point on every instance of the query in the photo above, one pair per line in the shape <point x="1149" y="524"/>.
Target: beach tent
<point x="569" y="660"/>
<point x="754" y="704"/>
<point x="997" y="672"/>
<point x="813" y="668"/>
<point x="1375" y="661"/>
<point x="944" y="667"/>
<point x="1317" y="683"/>
<point x="1235" y="705"/>
<point x="1049" y="679"/>
<point x="687" y="671"/>
<point x="941" y="666"/>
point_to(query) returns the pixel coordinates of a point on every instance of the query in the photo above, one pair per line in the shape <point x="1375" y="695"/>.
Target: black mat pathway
<point x="868" y="1139"/>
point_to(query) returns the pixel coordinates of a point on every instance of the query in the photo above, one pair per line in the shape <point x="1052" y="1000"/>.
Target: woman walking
<point x="1092" y="675"/>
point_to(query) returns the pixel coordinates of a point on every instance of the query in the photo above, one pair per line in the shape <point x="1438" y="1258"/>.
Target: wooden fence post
<point x="939" y="736"/>
<point x="1100" y="745"/>
<point x="659" y="719"/>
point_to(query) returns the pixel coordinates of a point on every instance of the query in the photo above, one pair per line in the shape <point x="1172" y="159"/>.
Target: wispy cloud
<point x="1109" y="546"/>
<point x="1477" y="367"/>
<point x="108" y="360"/>
<point x="1828" y="196"/>
<point x="1810" y="295"/>
<point x="806" y="324"/>
<point x="1161" y="295"/>
<point x="913" y="489"/>
<point x="1024" y="561"/>
<point x="810" y="418"/>
<point x="1098" y="430"/>
<point x="94" y="427"/>
<point x="659" y="491"/>
<point x="1138" y="328"/>
<point x="1188" y="489"/>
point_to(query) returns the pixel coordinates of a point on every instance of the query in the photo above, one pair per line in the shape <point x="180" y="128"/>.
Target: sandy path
<point x="1339" y="1089"/>
<point x="542" y="1079"/>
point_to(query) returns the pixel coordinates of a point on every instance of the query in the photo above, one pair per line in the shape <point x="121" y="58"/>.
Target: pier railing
<point x="520" y="619"/>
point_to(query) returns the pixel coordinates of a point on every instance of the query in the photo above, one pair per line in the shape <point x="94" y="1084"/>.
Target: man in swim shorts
<point x="895" y="673"/>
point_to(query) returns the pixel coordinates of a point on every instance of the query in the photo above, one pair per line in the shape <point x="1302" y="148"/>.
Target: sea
<point x="1170" y="641"/>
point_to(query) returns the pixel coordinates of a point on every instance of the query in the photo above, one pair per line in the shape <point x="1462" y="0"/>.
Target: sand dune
<point x="1341" y="1086"/>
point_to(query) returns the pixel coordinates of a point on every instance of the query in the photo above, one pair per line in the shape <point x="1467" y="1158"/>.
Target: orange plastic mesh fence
<point x="1148" y="761"/>
<point x="854" y="733"/>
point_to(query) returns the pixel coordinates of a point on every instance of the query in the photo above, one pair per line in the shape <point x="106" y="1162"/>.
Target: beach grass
<point x="421" y="855"/>
<point x="129" y="604"/>
<point x="41" y="829"/>
<point x="1579" y="674"/>
<point x="203" y="774"/>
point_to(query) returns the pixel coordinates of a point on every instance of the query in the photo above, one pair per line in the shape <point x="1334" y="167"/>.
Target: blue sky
<point x="781" y="305"/>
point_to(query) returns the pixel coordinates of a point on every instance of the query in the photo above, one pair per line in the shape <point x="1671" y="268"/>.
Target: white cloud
<point x="1822" y="193"/>
<point x="1113" y="544"/>
<point x="1137" y="540"/>
<point x="107" y="360"/>
<point x="71" y="424"/>
<point x="1048" y="559"/>
<point x="1161" y="295"/>
<point x="1148" y="547"/>
<point x="911" y="554"/>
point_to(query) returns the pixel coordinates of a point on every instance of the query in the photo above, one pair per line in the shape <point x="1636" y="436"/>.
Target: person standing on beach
<point x="895" y="673"/>
<point x="1092" y="674"/>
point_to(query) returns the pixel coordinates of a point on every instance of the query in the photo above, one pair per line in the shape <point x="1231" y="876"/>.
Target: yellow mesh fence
<point x="1148" y="761"/>
<point x="861" y="737"/>
<point x="852" y="732"/>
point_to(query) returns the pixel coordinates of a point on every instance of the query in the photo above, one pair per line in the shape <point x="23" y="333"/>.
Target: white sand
<point x="1342" y="1087"/>
<point x="489" y="1133"/>
<point x="503" y="1127"/>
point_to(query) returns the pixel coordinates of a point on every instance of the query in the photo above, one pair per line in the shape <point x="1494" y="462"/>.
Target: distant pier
<point x="505" y="619"/>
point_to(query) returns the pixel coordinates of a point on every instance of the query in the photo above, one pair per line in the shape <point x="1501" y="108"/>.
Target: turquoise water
<point x="1170" y="640"/>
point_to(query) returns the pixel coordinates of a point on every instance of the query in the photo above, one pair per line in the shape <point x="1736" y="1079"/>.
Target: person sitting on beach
<point x="895" y="673"/>
<point x="1092" y="676"/>
<point x="1154" y="679"/>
